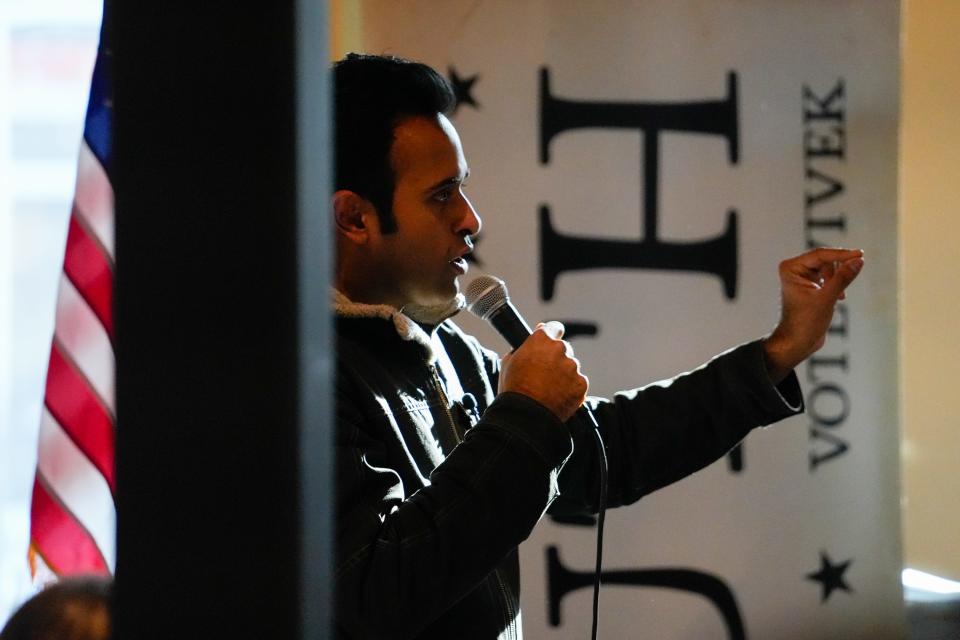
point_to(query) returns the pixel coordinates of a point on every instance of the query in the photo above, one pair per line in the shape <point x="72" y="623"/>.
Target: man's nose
<point x="470" y="223"/>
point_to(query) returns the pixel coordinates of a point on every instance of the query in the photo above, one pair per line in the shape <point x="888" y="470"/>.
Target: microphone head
<point x="485" y="295"/>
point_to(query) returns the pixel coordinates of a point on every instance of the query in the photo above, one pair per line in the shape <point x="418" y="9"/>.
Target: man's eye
<point x="443" y="196"/>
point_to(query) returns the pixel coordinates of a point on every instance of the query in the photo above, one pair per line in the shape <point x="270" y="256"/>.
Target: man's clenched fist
<point x="543" y="368"/>
<point x="810" y="286"/>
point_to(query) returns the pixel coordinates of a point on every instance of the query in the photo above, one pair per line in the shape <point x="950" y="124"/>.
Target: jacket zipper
<point x="446" y="404"/>
<point x="456" y="435"/>
<point x="506" y="601"/>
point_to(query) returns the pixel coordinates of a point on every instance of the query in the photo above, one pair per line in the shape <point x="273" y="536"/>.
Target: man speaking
<point x="446" y="454"/>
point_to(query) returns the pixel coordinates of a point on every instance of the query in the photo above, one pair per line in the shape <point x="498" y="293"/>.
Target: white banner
<point x="641" y="168"/>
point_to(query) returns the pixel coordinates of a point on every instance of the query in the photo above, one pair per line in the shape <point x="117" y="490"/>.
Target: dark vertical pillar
<point x="315" y="258"/>
<point x="221" y="340"/>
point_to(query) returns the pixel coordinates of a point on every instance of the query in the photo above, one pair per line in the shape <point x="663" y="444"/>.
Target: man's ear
<point x="354" y="215"/>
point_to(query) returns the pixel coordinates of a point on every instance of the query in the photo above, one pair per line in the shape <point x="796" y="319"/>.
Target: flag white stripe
<point x="85" y="340"/>
<point x="94" y="197"/>
<point x="78" y="484"/>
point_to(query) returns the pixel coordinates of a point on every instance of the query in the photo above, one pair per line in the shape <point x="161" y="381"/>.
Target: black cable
<point x="601" y="512"/>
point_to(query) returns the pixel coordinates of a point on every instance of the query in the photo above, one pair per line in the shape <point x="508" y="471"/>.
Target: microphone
<point x="487" y="298"/>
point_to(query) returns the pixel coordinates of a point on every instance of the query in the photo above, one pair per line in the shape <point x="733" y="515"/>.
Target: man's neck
<point x="362" y="293"/>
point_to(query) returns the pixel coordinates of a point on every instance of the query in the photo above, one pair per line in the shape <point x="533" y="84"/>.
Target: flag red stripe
<point x="80" y="414"/>
<point x="89" y="270"/>
<point x="65" y="545"/>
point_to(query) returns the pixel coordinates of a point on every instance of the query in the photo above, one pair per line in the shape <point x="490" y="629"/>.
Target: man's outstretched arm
<point x="663" y="432"/>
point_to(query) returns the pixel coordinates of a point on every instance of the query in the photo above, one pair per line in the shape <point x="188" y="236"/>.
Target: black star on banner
<point x="462" y="88"/>
<point x="830" y="576"/>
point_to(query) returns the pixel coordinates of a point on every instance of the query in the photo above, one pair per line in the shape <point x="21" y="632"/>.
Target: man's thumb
<point x="846" y="274"/>
<point x="554" y="329"/>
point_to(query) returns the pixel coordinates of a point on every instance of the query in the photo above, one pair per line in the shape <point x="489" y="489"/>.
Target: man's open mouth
<point x="460" y="264"/>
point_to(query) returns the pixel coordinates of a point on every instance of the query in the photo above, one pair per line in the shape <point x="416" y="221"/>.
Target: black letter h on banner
<point x="561" y="253"/>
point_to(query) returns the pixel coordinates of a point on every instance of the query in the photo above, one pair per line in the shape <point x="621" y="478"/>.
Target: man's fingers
<point x="844" y="275"/>
<point x="827" y="271"/>
<point x="545" y="369"/>
<point x="819" y="266"/>
<point x="817" y="258"/>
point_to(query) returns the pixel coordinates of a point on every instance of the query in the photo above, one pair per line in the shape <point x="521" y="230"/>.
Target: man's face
<point x="421" y="261"/>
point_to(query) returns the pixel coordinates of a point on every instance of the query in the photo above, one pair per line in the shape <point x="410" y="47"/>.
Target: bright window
<point x="47" y="50"/>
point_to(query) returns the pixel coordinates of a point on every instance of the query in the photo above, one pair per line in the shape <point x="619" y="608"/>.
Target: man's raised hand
<point x="810" y="285"/>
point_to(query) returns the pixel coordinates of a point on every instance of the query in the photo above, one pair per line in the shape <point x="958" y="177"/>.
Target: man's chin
<point x="440" y="297"/>
<point x="436" y="309"/>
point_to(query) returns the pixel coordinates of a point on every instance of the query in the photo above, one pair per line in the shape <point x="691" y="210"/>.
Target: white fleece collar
<point x="405" y="320"/>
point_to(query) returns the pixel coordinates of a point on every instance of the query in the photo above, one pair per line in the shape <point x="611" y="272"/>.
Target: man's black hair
<point x="372" y="94"/>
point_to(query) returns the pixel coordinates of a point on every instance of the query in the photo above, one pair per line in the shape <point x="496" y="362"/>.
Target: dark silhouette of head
<point x="72" y="609"/>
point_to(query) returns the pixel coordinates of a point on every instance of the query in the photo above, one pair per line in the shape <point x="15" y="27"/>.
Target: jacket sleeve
<point x="403" y="560"/>
<point x="665" y="431"/>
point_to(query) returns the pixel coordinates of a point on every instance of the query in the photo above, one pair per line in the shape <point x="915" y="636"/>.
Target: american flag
<point x="72" y="517"/>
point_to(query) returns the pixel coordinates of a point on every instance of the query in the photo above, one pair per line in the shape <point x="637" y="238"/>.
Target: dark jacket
<point x="439" y="479"/>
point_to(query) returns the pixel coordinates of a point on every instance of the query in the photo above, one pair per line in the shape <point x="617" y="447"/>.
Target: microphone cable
<point x="601" y="513"/>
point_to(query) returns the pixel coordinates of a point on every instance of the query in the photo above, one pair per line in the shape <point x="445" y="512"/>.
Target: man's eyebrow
<point x="448" y="181"/>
